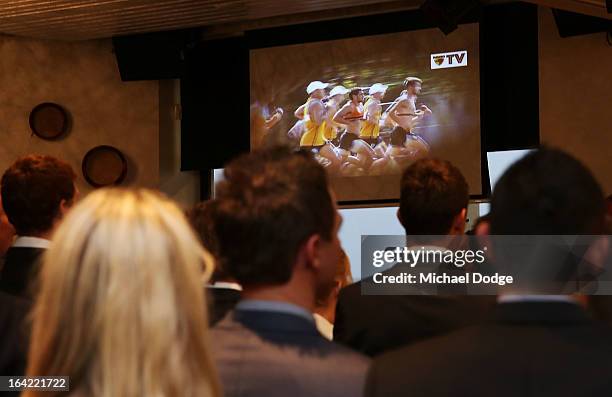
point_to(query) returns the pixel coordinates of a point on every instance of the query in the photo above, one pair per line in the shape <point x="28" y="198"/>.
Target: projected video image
<point x="368" y="107"/>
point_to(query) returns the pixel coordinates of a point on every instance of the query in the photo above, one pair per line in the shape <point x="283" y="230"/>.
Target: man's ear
<point x="337" y="288"/>
<point x="483" y="229"/>
<point x="64" y="206"/>
<point x="399" y="218"/>
<point x="309" y="252"/>
<point x="458" y="226"/>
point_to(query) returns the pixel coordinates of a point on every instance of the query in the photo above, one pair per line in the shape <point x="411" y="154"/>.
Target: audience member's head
<point x="7" y="231"/>
<point x="548" y="192"/>
<point x="609" y="213"/>
<point x="36" y="192"/>
<point x="433" y="198"/>
<point x="201" y="217"/>
<point x="277" y="224"/>
<point x="121" y="307"/>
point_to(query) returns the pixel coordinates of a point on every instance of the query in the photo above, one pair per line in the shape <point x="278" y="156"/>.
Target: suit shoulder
<point x="433" y="347"/>
<point x="12" y="308"/>
<point x="350" y="291"/>
<point x="346" y="363"/>
<point x="352" y="296"/>
<point x="345" y="352"/>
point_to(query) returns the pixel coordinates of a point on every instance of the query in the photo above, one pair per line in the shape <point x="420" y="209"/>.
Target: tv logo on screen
<point x="449" y="60"/>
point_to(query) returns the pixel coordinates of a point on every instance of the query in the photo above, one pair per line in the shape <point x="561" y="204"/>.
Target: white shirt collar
<point x="324" y="327"/>
<point x="427" y="248"/>
<point x="535" y="298"/>
<point x="274" y="306"/>
<point x="226" y="285"/>
<point x="31" y="242"/>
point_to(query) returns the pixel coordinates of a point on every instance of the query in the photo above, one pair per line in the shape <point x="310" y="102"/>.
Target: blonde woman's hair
<point x="121" y="309"/>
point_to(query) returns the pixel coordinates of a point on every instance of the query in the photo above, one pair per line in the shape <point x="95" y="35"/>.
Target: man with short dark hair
<point x="433" y="201"/>
<point x="433" y="198"/>
<point x="223" y="292"/>
<point x="533" y="344"/>
<point x="276" y="226"/>
<point x="36" y="192"/>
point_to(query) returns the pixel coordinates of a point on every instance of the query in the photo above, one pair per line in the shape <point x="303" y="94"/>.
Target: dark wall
<point x="215" y="103"/>
<point x="509" y="76"/>
<point x="509" y="87"/>
<point x="153" y="56"/>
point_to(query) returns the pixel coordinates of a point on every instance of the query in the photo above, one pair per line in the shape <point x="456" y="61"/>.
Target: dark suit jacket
<point x="220" y="302"/>
<point x="260" y="353"/>
<point x="526" y="349"/>
<point x="13" y="335"/>
<point x="373" y="324"/>
<point x="21" y="266"/>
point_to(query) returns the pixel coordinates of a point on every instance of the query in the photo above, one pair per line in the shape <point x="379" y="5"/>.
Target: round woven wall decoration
<point x="104" y="166"/>
<point x="48" y="121"/>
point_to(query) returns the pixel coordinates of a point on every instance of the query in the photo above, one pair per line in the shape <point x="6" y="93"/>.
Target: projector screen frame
<point x="499" y="37"/>
<point x="360" y="27"/>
